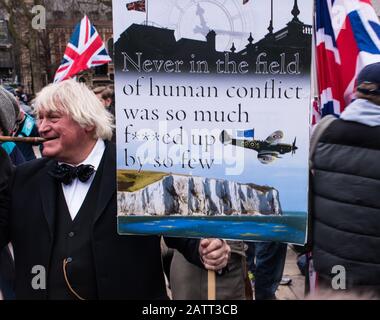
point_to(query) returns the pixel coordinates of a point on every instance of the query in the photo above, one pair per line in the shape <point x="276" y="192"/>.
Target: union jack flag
<point x="84" y="51"/>
<point x="347" y="39"/>
<point x="136" y="5"/>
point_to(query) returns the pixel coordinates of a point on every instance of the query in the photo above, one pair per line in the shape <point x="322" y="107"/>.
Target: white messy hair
<point x="78" y="101"/>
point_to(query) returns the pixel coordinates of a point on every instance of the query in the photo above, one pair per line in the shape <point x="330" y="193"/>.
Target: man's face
<point x="66" y="138"/>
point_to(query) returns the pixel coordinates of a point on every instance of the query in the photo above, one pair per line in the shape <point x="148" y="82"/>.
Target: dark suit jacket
<point x="127" y="267"/>
<point x="6" y="261"/>
<point x="5" y="172"/>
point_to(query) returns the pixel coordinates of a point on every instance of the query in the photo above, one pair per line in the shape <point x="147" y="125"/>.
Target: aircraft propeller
<point x="294" y="147"/>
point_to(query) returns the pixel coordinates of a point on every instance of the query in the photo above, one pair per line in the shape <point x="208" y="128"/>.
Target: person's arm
<point x="188" y="248"/>
<point x="5" y="173"/>
<point x="17" y="157"/>
<point x="212" y="254"/>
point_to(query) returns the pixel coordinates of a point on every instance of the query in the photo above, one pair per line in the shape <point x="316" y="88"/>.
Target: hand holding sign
<point x="214" y="253"/>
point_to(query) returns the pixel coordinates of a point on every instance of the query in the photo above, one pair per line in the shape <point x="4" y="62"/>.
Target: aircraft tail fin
<point x="225" y="138"/>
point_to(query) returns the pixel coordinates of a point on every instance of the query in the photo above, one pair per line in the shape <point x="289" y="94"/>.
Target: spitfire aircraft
<point x="268" y="150"/>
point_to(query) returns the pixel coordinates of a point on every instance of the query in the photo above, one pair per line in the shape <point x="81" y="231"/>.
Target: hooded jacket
<point x="345" y="205"/>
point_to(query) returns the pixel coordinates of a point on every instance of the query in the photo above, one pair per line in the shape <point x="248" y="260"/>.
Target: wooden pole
<point x="22" y="139"/>
<point x="211" y="285"/>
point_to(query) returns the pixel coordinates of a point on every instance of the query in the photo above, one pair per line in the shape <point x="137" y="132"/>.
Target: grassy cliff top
<point x="132" y="180"/>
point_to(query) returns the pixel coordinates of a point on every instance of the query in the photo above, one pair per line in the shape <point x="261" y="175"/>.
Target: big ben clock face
<point x="195" y="18"/>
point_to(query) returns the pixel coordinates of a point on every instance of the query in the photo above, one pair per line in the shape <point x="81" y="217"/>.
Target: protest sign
<point x="212" y="109"/>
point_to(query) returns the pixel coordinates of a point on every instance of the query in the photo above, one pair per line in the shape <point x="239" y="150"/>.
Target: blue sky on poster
<point x="289" y="174"/>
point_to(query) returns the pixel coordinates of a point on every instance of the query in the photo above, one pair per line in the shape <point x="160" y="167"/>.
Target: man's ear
<point x="89" y="129"/>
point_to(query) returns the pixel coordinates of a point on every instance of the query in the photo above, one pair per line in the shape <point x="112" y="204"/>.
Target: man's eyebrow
<point x="53" y="114"/>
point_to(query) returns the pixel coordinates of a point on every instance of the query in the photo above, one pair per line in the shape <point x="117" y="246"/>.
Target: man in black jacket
<point x="345" y="187"/>
<point x="5" y="172"/>
<point x="6" y="262"/>
<point x="64" y="232"/>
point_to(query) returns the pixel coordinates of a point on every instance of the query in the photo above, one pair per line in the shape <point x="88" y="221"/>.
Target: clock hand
<point x="203" y="28"/>
<point x="231" y="33"/>
<point x="200" y="30"/>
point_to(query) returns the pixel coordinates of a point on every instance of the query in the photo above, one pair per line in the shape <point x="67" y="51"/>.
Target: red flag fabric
<point x="137" y="5"/>
<point x="348" y="38"/>
<point x="85" y="50"/>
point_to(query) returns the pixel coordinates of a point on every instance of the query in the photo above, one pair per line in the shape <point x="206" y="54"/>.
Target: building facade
<point x="7" y="64"/>
<point x="48" y="47"/>
<point x="62" y="16"/>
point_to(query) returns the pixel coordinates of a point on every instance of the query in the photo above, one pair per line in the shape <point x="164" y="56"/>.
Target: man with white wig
<point x="64" y="233"/>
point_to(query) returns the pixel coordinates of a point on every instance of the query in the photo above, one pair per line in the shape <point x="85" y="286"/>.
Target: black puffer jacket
<point x="345" y="203"/>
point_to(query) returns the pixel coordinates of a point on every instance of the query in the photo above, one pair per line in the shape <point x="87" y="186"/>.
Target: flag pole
<point x="146" y="12"/>
<point x="211" y="285"/>
<point x="314" y="72"/>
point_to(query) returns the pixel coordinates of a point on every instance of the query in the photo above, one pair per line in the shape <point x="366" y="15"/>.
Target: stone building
<point x="62" y="16"/>
<point x="7" y="64"/>
<point x="47" y="53"/>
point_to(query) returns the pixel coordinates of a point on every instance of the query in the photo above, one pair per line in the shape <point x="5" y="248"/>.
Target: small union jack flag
<point x="84" y="51"/>
<point x="136" y="5"/>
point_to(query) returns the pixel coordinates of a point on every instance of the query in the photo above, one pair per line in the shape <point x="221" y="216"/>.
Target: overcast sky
<point x="225" y="15"/>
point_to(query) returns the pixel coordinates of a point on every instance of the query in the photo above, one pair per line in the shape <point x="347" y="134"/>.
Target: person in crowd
<point x="229" y="285"/>
<point x="24" y="100"/>
<point x="266" y="262"/>
<point x="6" y="290"/>
<point x="21" y="95"/>
<point x="9" y="111"/>
<point x="345" y="184"/>
<point x="26" y="127"/>
<point x="66" y="244"/>
<point x="106" y="95"/>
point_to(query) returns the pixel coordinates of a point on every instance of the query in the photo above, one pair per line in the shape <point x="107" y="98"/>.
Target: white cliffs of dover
<point x="197" y="196"/>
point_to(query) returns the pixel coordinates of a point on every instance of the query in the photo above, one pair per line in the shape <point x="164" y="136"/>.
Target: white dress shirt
<point x="76" y="192"/>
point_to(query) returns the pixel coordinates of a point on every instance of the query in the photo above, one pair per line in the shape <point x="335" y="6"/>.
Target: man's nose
<point x="43" y="125"/>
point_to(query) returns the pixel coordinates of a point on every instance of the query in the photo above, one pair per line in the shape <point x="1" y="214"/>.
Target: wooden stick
<point x="22" y="139"/>
<point x="211" y="285"/>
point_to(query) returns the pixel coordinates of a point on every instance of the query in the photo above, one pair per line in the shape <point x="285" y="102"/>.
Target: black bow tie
<point x="66" y="174"/>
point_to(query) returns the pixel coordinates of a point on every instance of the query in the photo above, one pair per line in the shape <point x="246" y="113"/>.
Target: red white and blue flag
<point x="84" y="51"/>
<point x="347" y="39"/>
<point x="137" y="5"/>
